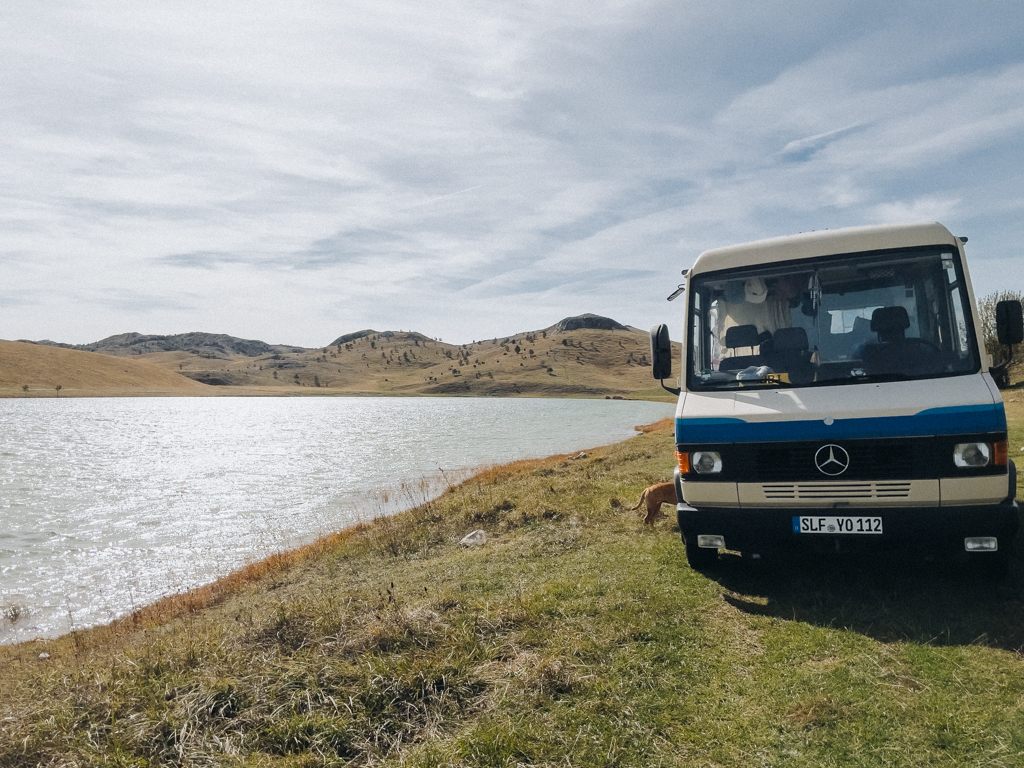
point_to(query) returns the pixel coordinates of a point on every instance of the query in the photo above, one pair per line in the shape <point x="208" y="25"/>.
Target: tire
<point x="700" y="558"/>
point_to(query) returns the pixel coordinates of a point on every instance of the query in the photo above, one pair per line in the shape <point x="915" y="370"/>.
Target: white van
<point x="836" y="395"/>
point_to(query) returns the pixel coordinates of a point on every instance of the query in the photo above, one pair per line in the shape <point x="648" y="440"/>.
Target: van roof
<point x="828" y="242"/>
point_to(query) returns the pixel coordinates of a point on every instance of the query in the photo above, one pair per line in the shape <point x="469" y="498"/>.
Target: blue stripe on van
<point x="952" y="420"/>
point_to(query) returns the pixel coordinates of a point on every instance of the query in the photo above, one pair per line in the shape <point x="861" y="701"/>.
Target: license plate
<point x="834" y="525"/>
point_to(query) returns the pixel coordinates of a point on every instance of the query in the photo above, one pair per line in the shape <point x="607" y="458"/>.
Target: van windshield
<point x="879" y="316"/>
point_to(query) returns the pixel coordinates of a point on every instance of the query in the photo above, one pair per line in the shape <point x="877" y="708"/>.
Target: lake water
<point x="108" y="504"/>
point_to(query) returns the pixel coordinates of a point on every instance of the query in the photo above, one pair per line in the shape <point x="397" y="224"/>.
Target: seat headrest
<point x="790" y="338"/>
<point x="742" y="336"/>
<point x="861" y="326"/>
<point x="886" y="319"/>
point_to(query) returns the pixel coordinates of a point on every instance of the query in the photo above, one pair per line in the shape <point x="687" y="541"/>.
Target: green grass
<point x="576" y="636"/>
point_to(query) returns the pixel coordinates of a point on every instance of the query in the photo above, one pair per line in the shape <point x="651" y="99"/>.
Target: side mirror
<point x="1009" y="322"/>
<point x="661" y="356"/>
<point x="1009" y="331"/>
<point x="661" y="352"/>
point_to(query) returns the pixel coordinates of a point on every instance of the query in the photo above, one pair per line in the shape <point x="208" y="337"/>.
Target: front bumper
<point x="934" y="530"/>
<point x="930" y="529"/>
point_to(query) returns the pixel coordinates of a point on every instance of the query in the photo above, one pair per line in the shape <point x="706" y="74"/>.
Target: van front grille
<point x="836" y="491"/>
<point x="875" y="460"/>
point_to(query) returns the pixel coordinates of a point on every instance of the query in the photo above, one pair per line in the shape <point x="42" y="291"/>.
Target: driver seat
<point x="894" y="352"/>
<point x="741" y="336"/>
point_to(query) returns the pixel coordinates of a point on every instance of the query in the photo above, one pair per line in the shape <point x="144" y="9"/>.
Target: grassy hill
<point x="575" y="636"/>
<point x="585" y="356"/>
<point x="586" y="361"/>
<point x="32" y="370"/>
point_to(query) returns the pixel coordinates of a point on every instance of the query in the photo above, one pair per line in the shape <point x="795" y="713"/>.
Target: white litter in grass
<point x="474" y="539"/>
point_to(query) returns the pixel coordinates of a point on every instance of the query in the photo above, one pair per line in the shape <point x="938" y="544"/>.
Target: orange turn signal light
<point x="683" y="460"/>
<point x="1000" y="453"/>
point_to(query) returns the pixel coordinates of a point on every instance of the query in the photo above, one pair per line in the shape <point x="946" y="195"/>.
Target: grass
<point x="575" y="636"/>
<point x="32" y="370"/>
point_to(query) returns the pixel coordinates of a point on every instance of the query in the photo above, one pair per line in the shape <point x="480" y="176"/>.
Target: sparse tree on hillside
<point x="24" y="388"/>
<point x="59" y="388"/>
<point x="987" y="312"/>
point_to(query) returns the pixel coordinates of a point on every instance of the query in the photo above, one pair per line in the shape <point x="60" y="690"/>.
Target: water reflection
<point x="108" y="504"/>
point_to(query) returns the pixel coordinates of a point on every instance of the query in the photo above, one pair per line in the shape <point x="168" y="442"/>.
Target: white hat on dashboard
<point x="755" y="291"/>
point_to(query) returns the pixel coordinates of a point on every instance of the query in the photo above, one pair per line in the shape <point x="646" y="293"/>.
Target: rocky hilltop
<point x="585" y="321"/>
<point x="209" y="345"/>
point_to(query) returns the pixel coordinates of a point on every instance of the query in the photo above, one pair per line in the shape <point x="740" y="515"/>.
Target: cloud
<point x="800" y="150"/>
<point x="376" y="164"/>
<point x="201" y="259"/>
<point x="921" y="209"/>
<point x="11" y="300"/>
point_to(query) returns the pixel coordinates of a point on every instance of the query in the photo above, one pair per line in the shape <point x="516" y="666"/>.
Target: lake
<point x="107" y="504"/>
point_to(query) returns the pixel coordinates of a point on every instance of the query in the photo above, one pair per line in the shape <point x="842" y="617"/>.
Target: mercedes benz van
<point x="835" y="394"/>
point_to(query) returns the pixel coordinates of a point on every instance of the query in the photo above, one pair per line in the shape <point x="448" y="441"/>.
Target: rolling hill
<point x="587" y="355"/>
<point x="36" y="370"/>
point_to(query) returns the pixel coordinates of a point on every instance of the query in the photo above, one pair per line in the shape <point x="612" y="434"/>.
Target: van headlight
<point x="972" y="455"/>
<point x="706" y="462"/>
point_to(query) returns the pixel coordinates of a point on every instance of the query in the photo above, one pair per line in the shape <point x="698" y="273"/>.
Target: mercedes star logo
<point x="832" y="459"/>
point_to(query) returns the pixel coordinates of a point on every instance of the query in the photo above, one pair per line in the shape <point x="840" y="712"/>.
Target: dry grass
<point x="30" y="370"/>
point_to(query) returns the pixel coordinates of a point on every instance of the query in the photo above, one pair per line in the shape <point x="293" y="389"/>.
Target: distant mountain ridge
<point x="209" y="345"/>
<point x="221" y="345"/>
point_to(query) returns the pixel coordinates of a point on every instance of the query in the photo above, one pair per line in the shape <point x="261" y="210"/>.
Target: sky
<point x="292" y="171"/>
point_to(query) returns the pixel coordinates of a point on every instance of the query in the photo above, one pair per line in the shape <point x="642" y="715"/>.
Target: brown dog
<point x="654" y="497"/>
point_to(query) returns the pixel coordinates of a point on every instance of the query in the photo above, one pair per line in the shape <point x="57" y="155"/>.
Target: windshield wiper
<point x="892" y="376"/>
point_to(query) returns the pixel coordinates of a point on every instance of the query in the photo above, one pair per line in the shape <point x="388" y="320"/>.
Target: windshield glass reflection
<point x="871" y="317"/>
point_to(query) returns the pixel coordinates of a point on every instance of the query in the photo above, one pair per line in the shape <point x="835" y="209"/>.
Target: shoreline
<point x="302" y="392"/>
